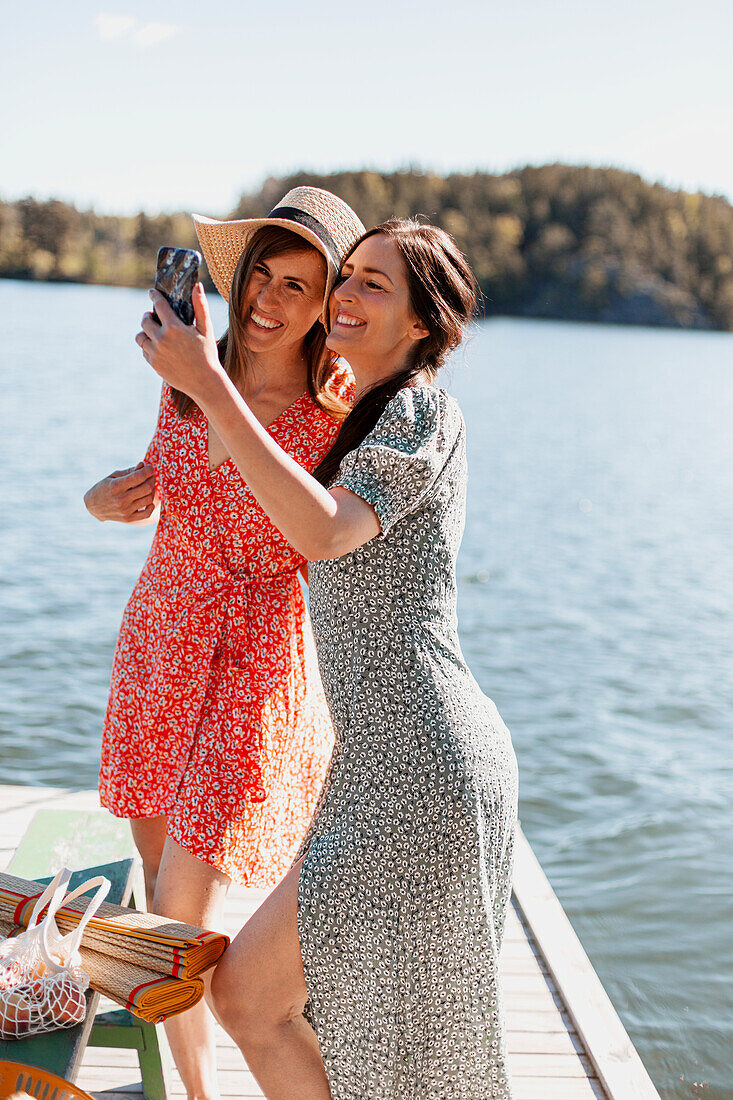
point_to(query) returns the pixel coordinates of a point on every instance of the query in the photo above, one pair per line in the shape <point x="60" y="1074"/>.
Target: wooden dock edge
<point x="616" y="1061"/>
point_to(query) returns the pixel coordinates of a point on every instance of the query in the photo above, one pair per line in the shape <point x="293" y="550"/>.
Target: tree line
<point x="552" y="241"/>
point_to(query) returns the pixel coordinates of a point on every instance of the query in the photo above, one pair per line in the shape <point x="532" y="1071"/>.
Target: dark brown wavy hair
<point x="443" y="296"/>
<point x="267" y="242"/>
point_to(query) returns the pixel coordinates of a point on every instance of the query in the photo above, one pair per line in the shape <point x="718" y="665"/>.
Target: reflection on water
<point x="596" y="608"/>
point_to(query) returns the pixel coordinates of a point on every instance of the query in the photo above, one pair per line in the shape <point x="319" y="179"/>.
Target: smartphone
<point x="175" y="277"/>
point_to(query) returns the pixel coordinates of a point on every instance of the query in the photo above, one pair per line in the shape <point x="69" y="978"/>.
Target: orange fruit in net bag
<point x="60" y="1000"/>
<point x="70" y="1005"/>
<point x="18" y="1012"/>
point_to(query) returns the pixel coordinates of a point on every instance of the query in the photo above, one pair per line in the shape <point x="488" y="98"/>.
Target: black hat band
<point x="293" y="214"/>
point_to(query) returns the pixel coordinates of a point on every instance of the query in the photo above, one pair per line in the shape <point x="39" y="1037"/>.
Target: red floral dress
<point x="216" y="715"/>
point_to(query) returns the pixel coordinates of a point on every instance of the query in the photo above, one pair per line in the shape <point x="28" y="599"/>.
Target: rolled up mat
<point x="154" y="997"/>
<point x="156" y="943"/>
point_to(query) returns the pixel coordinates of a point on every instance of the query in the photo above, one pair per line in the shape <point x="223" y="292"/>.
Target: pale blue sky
<point x="126" y="106"/>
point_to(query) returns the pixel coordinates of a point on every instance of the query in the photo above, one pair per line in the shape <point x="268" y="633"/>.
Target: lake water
<point x="596" y="608"/>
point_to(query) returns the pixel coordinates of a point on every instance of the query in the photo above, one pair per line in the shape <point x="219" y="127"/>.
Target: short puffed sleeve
<point x="152" y="455"/>
<point x="397" y="465"/>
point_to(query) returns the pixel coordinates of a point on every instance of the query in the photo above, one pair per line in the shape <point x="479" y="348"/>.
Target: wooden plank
<point x="32" y="798"/>
<point x="543" y="1088"/>
<point x="541" y="999"/>
<point x="544" y="1023"/>
<point x="534" y="983"/>
<point x="514" y="966"/>
<point x="616" y="1062"/>
<point x="97" y="1083"/>
<point x="549" y="1065"/>
<point x="544" y="1042"/>
<point x="120" y="1063"/>
<point x="564" y="1063"/>
<point x="518" y="949"/>
<point x="121" y="1094"/>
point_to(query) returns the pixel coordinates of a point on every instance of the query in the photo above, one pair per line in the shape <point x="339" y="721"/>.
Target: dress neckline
<point x="268" y="428"/>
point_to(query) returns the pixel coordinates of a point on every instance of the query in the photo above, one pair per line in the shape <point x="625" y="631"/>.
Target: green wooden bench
<point x="102" y="845"/>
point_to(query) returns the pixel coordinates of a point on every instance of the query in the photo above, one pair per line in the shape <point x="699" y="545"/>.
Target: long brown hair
<point x="443" y="296"/>
<point x="266" y="243"/>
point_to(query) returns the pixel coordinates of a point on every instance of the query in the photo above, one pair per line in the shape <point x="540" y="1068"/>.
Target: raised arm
<point x="318" y="522"/>
<point x="126" y="496"/>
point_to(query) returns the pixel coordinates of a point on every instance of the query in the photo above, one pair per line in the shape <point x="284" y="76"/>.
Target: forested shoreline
<point x="591" y="244"/>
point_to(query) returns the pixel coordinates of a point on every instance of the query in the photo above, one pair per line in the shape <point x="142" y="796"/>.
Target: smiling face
<point x="283" y="300"/>
<point x="373" y="324"/>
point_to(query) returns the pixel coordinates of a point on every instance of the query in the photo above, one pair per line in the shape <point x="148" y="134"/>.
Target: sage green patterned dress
<point x="407" y="876"/>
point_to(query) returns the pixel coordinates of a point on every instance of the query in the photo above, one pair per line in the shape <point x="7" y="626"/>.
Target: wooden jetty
<point x="565" y="1039"/>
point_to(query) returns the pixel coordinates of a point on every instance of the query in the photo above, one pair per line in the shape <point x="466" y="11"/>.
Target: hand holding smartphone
<point x="176" y="275"/>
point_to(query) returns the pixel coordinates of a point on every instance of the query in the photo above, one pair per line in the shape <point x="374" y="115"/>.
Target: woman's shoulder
<point x="422" y="412"/>
<point x="332" y="406"/>
<point x="396" y="466"/>
<point x="341" y="383"/>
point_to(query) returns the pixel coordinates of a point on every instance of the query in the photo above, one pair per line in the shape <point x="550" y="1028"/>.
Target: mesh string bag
<point x="42" y="983"/>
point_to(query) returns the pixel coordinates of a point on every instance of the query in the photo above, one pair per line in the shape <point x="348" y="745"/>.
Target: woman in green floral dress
<point x="371" y="972"/>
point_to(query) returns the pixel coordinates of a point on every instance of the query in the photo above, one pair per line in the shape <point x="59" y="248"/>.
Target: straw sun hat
<point x="323" y="219"/>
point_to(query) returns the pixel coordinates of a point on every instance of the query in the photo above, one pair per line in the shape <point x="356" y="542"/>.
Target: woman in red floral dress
<point x="217" y="734"/>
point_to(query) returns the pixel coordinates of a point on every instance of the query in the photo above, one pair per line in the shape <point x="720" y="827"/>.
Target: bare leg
<point x="193" y="892"/>
<point x="180" y="886"/>
<point x="259" y="993"/>
<point x="149" y="834"/>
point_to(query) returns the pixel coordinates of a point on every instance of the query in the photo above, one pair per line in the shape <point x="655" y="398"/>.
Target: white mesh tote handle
<point x="47" y="987"/>
<point x="102" y="886"/>
<point x="47" y="924"/>
<point x="53" y="893"/>
<point x="68" y="945"/>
